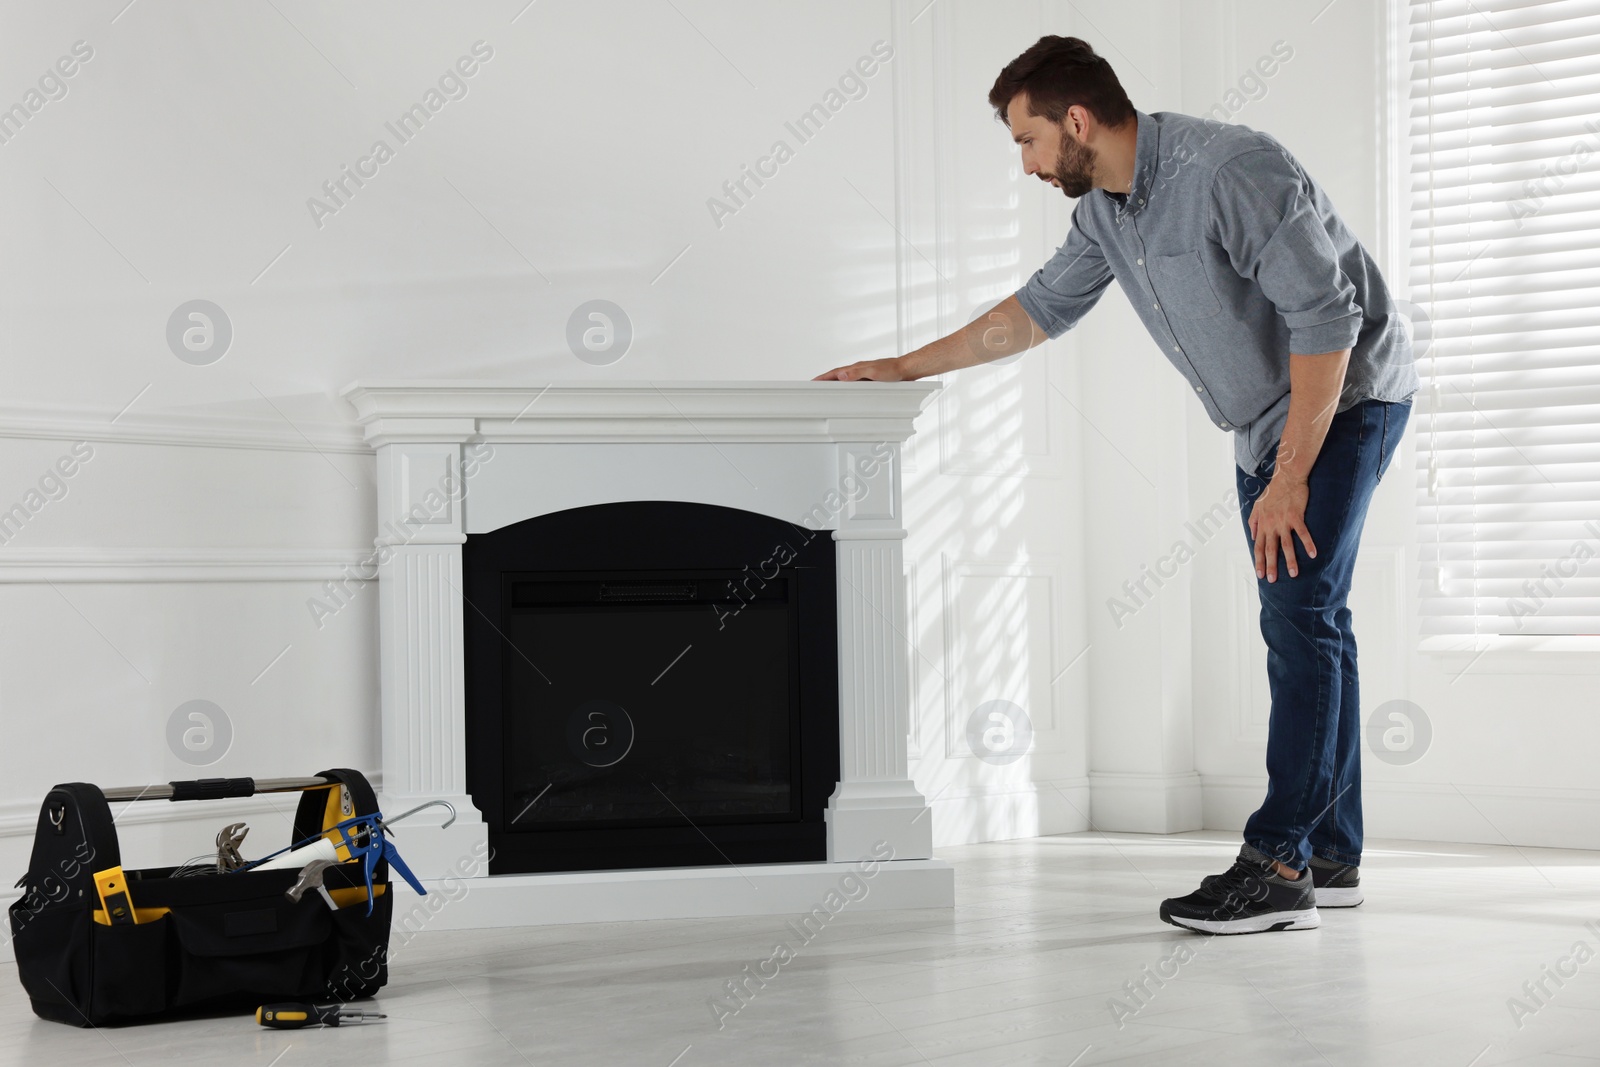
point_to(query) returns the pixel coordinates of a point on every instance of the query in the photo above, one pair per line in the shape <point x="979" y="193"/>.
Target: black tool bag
<point x="201" y="942"/>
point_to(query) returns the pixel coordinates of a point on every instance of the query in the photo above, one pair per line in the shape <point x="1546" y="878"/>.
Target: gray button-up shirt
<point x="1234" y="258"/>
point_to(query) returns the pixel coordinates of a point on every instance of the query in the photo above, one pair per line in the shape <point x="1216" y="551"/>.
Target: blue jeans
<point x="1313" y="804"/>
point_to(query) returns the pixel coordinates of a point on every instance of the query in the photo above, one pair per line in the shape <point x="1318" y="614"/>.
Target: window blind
<point x="1503" y="133"/>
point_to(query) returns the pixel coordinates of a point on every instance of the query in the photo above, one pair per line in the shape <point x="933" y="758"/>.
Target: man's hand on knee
<point x="1276" y="517"/>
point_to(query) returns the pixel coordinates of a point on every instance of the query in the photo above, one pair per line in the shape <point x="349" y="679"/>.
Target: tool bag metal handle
<point x="217" y="788"/>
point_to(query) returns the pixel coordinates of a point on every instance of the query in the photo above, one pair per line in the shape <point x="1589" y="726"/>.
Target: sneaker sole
<point x="1252" y="924"/>
<point x="1343" y="897"/>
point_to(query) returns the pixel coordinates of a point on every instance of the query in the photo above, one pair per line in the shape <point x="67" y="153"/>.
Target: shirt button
<point x="1158" y="307"/>
<point x="1199" y="388"/>
<point x="1141" y="201"/>
<point x="1140" y="262"/>
<point x="1223" y="425"/>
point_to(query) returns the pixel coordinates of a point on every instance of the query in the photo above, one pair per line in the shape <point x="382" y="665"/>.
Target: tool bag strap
<point x="75" y="837"/>
<point x="320" y="811"/>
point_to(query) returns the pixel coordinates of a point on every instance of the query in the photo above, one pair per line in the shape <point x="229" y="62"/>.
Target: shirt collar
<point x="1144" y="168"/>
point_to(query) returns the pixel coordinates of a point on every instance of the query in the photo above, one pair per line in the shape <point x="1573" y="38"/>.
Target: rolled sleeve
<point x="1064" y="289"/>
<point x="1262" y="216"/>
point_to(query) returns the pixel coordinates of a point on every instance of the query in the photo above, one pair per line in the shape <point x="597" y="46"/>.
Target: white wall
<point x="220" y="499"/>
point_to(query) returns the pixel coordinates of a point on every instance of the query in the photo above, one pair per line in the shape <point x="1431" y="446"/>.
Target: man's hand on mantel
<point x="1003" y="330"/>
<point x="872" y="370"/>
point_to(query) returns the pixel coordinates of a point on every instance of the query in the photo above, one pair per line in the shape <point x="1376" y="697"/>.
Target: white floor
<point x="1026" y="969"/>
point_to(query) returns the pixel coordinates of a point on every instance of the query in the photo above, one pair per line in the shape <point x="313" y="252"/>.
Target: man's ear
<point x="1076" y="123"/>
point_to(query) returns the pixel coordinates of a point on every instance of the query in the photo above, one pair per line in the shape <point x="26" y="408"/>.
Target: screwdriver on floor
<point x="294" y="1016"/>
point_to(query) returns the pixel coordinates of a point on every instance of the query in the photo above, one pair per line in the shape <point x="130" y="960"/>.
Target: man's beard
<point x="1074" y="167"/>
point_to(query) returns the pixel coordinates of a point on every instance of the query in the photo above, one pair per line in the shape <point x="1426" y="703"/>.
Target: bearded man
<point x="1259" y="295"/>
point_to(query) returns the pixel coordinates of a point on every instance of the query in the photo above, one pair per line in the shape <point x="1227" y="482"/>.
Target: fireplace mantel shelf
<point x="509" y="411"/>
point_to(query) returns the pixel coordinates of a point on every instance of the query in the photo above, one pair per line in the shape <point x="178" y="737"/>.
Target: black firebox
<point x="651" y="684"/>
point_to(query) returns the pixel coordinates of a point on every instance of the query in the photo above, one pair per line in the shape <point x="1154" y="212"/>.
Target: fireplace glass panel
<point x="650" y="701"/>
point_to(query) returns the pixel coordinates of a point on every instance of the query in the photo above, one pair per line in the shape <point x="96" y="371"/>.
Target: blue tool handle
<point x="399" y="864"/>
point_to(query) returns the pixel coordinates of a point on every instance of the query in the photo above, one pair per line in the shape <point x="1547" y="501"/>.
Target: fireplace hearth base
<point x="778" y="889"/>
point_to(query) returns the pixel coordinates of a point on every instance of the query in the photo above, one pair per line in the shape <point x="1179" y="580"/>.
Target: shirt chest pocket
<point x="1182" y="287"/>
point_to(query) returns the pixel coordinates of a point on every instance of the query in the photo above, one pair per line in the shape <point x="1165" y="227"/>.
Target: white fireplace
<point x="469" y="457"/>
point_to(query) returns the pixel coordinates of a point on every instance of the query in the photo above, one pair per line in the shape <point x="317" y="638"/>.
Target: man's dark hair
<point x="1058" y="72"/>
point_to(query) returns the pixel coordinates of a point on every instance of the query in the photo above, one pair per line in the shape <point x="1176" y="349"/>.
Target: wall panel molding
<point x="64" y="423"/>
<point x="113" y="565"/>
<point x="961" y="643"/>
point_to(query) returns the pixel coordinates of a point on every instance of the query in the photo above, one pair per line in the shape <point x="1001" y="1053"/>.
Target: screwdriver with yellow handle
<point x="295" y="1016"/>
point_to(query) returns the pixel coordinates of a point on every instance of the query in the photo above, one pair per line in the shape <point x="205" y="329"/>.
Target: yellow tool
<point x="116" y="909"/>
<point x="113" y="887"/>
<point x="296" y="1016"/>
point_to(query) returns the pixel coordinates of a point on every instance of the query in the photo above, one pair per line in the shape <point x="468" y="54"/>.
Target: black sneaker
<point x="1338" y="884"/>
<point x="1249" y="898"/>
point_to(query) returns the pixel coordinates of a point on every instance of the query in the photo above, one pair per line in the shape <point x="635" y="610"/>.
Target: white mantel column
<point x="875" y="801"/>
<point x="422" y="682"/>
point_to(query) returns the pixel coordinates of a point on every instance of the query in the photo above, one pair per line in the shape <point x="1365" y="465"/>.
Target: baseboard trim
<point x="1041" y="808"/>
<point x="1528" y="816"/>
<point x="1145" y="803"/>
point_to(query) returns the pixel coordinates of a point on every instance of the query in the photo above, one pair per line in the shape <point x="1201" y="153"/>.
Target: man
<point x="1266" y="303"/>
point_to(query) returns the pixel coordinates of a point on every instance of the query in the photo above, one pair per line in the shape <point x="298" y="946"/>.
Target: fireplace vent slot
<point x="648" y="590"/>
